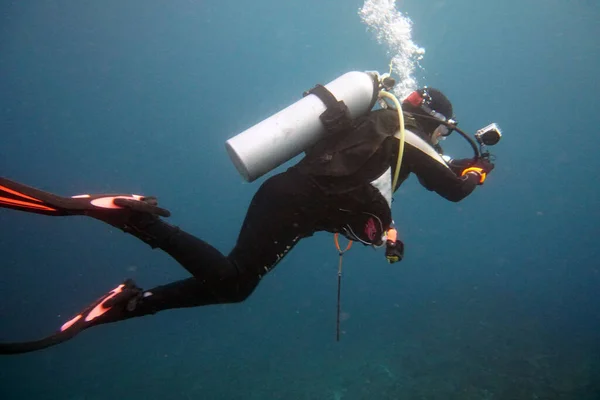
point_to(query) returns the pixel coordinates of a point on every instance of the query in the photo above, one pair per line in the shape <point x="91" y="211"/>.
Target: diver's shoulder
<point x="385" y="120"/>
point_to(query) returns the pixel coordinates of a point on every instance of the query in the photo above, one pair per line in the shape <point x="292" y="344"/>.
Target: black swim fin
<point x="21" y="197"/>
<point x="113" y="306"/>
<point x="128" y="212"/>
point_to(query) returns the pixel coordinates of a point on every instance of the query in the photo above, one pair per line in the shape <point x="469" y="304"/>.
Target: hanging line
<point x="339" y="288"/>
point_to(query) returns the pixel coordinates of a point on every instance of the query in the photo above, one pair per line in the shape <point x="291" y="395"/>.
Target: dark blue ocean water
<point x="497" y="297"/>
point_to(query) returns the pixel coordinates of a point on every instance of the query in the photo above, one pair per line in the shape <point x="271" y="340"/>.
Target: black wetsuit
<point x="329" y="190"/>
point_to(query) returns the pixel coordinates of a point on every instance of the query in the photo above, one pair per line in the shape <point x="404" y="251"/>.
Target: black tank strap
<point x="336" y="117"/>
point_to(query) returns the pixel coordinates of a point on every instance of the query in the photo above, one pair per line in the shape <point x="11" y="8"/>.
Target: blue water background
<point x="497" y="297"/>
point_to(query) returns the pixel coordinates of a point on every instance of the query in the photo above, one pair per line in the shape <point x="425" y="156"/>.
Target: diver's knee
<point x="243" y="289"/>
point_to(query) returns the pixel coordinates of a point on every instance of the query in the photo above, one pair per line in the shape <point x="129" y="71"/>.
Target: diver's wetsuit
<point x="329" y="190"/>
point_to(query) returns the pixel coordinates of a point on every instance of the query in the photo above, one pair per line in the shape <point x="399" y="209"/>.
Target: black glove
<point x="482" y="167"/>
<point x="485" y="165"/>
<point x="394" y="251"/>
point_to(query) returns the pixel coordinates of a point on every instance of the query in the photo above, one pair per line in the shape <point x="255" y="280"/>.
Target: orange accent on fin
<point x="109" y="201"/>
<point x="19" y="203"/>
<point x="19" y="194"/>
<point x="100" y="309"/>
<point x="70" y="323"/>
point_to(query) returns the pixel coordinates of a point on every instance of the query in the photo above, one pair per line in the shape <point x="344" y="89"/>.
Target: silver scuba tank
<point x="284" y="135"/>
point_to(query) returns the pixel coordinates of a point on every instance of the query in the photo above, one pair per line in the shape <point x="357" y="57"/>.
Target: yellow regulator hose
<point x="400" y="137"/>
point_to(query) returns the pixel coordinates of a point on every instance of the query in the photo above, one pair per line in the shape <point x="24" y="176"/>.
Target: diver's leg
<point x="199" y="258"/>
<point x="191" y="292"/>
<point x="285" y="208"/>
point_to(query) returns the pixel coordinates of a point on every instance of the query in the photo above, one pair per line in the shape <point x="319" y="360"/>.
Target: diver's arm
<point x="458" y="165"/>
<point x="439" y="177"/>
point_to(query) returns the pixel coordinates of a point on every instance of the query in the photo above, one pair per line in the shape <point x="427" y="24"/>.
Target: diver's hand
<point x="481" y="168"/>
<point x="394" y="251"/>
<point x="486" y="165"/>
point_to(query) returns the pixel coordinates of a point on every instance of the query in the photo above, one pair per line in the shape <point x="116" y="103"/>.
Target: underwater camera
<point x="489" y="135"/>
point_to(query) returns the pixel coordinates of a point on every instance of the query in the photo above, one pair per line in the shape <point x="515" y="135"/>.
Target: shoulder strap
<point x="336" y="117"/>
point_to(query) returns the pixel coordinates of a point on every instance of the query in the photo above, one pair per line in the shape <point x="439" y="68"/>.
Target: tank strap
<point x="336" y="117"/>
<point x="410" y="122"/>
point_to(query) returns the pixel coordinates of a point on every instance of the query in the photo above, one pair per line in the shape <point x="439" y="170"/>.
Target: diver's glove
<point x="481" y="168"/>
<point x="486" y="165"/>
<point x="116" y="305"/>
<point x="394" y="248"/>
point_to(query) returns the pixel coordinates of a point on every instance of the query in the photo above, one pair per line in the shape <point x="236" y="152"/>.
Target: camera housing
<point x="489" y="135"/>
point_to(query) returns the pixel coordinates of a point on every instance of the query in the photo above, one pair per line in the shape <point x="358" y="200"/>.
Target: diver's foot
<point x="113" y="306"/>
<point x="136" y="215"/>
<point x="118" y="304"/>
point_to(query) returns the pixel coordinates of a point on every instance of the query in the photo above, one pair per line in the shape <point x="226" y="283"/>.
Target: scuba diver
<point x="344" y="185"/>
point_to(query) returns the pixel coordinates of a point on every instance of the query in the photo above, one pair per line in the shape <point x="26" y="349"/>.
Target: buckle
<point x="336" y="118"/>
